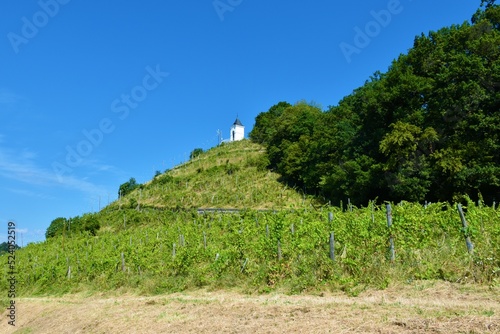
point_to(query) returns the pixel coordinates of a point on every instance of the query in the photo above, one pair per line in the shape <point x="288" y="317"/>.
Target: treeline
<point x="427" y="129"/>
<point x="5" y="247"/>
<point x="86" y="224"/>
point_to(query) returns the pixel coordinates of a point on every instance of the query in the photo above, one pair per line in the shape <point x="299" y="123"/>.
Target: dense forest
<point x="427" y="129"/>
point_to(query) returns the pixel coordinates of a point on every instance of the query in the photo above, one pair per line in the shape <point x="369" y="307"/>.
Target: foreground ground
<point x="423" y="307"/>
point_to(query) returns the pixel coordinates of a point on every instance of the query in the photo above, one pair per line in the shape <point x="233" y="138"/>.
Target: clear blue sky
<point x="150" y="81"/>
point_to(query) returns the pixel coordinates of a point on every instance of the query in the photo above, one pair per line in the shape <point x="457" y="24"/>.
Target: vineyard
<point x="295" y="250"/>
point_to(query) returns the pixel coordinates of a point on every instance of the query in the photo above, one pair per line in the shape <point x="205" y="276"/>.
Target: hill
<point x="152" y="240"/>
<point x="233" y="175"/>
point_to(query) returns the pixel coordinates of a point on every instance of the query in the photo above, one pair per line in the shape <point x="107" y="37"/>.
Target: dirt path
<point x="420" y="308"/>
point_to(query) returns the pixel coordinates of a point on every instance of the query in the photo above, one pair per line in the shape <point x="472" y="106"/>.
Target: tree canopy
<point x="427" y="129"/>
<point x="88" y="223"/>
<point x="195" y="153"/>
<point x="128" y="187"/>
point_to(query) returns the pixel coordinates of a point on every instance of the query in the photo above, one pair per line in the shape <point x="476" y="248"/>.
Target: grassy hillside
<point x="160" y="251"/>
<point x="233" y="175"/>
<point x="153" y="241"/>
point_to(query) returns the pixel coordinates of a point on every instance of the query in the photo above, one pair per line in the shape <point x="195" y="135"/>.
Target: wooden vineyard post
<point x="244" y="265"/>
<point x="123" y="262"/>
<point x="465" y="227"/>
<point x="68" y="272"/>
<point x="138" y="208"/>
<point x="332" y="246"/>
<point x="280" y="256"/>
<point x="332" y="237"/>
<point x="392" y="252"/>
<point x="372" y="214"/>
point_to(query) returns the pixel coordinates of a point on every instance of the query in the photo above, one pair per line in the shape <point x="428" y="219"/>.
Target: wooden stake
<point x="279" y="251"/>
<point x="468" y="242"/>
<point x="392" y="252"/>
<point x="123" y="262"/>
<point x="332" y="246"/>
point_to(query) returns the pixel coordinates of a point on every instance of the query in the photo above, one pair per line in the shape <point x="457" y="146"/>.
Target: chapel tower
<point x="237" y="131"/>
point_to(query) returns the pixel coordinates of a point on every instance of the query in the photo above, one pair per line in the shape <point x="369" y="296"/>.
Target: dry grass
<point x="424" y="307"/>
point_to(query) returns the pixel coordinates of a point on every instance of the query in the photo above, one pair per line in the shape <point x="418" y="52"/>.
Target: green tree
<point x="91" y="224"/>
<point x="288" y="147"/>
<point x="408" y="173"/>
<point x="195" y="153"/>
<point x="87" y="223"/>
<point x="266" y="123"/>
<point x="4" y="247"/>
<point x="56" y="227"/>
<point x="128" y="187"/>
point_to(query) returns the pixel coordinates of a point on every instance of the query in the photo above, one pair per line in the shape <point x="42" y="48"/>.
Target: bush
<point x="133" y="203"/>
<point x="91" y="225"/>
<point x="195" y="153"/>
<point x="86" y="223"/>
<point x="260" y="162"/>
<point x="230" y="168"/>
<point x="128" y="187"/>
<point x="163" y="179"/>
<point x="56" y="227"/>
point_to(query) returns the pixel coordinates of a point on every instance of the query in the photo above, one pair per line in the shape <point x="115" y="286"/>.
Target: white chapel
<point x="237" y="131"/>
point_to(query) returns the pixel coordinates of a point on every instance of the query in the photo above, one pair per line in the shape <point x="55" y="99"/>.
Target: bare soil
<point x="424" y="307"/>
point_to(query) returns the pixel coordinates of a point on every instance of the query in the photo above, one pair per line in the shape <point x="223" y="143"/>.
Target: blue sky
<point x="95" y="92"/>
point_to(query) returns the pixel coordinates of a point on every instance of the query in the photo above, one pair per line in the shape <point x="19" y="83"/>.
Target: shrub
<point x="128" y="187"/>
<point x="56" y="227"/>
<point x="195" y="153"/>
<point x="260" y="162"/>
